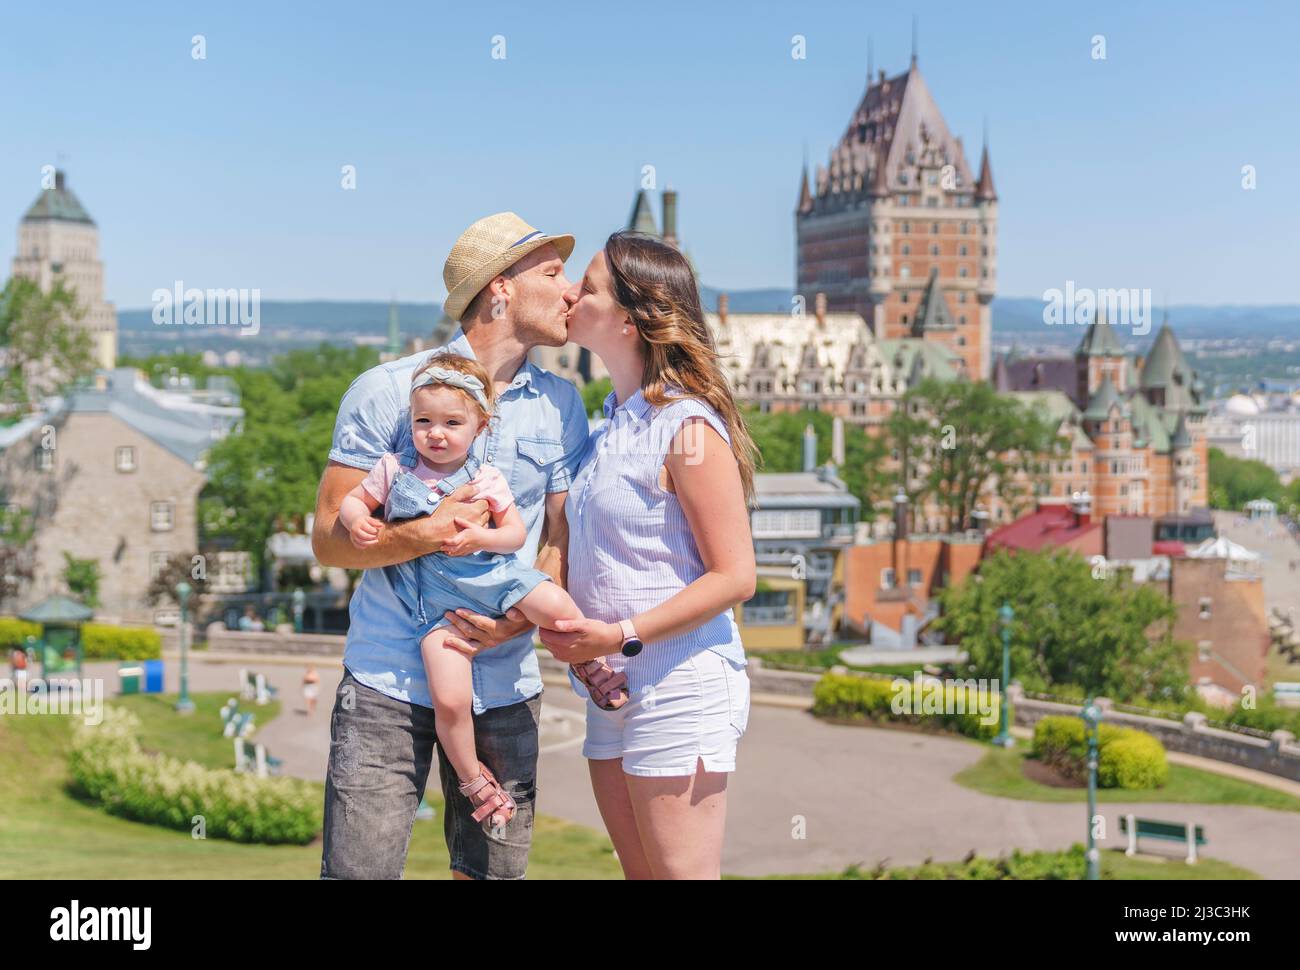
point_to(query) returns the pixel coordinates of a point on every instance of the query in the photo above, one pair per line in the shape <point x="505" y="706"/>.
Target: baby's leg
<point x="548" y="603"/>
<point x="451" y="685"/>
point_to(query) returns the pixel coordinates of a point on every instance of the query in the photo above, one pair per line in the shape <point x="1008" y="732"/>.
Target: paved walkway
<point x="864" y="795"/>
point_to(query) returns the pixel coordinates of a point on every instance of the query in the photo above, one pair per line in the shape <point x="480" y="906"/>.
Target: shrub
<point x="1126" y="757"/>
<point x="876" y="699"/>
<point x="103" y="641"/>
<point x="109" y="767"/>
<point x="13" y="632"/>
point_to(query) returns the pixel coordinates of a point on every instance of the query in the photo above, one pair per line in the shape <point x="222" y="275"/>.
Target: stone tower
<point x="57" y="240"/>
<point x="896" y="217"/>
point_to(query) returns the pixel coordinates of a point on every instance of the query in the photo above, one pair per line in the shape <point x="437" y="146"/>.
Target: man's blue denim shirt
<point x="536" y="438"/>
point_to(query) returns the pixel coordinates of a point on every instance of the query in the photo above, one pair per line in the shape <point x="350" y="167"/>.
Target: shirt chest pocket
<point x="537" y="458"/>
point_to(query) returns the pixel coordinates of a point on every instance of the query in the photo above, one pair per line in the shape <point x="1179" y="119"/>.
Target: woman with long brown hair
<point x="659" y="553"/>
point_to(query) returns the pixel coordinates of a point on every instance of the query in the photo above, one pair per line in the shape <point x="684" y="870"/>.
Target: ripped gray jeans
<point x="381" y="750"/>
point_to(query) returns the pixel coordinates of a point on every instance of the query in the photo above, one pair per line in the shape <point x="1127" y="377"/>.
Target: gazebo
<point x="1262" y="510"/>
<point x="60" y="647"/>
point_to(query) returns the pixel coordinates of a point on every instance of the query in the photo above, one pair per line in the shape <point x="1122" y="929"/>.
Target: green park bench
<point x="1150" y="828"/>
<point x="253" y="686"/>
<point x="238" y="724"/>
<point x="260" y="761"/>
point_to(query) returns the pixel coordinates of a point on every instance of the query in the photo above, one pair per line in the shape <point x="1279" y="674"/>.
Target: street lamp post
<point x="1091" y="715"/>
<point x="299" y="598"/>
<point x="183" y="704"/>
<point x="1004" y="739"/>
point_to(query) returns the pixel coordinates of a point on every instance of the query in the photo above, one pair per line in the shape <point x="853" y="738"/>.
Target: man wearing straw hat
<point x="505" y="285"/>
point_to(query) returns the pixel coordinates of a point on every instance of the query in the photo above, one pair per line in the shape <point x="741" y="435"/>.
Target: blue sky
<point x="226" y="171"/>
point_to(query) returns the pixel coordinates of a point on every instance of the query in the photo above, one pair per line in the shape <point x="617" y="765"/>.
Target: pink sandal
<point x="490" y="800"/>
<point x="607" y="698"/>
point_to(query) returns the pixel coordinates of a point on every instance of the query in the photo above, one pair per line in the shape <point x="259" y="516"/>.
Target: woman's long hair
<point x="655" y="284"/>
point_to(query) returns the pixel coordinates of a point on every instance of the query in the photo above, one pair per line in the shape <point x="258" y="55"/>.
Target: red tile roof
<point x="1052" y="525"/>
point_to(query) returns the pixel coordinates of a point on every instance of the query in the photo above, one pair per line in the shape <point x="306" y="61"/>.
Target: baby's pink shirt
<point x="491" y="483"/>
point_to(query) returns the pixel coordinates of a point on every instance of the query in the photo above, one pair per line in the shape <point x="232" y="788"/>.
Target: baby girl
<point x="451" y="404"/>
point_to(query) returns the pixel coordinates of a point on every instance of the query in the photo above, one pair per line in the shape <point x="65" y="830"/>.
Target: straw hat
<point x="485" y="250"/>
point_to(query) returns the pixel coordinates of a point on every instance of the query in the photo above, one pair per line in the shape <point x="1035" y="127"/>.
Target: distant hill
<point x="335" y="321"/>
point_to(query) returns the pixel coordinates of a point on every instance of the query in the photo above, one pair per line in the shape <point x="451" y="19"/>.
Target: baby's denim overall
<point x="485" y="582"/>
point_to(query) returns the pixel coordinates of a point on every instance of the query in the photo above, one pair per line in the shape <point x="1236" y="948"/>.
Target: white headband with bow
<point x="453" y="378"/>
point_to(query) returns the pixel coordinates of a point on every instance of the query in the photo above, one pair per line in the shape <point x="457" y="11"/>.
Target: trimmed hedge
<point x="1069" y="864"/>
<point x="1126" y="757"/>
<point x="876" y="699"/>
<point x="14" y="632"/>
<point x="109" y="767"/>
<point x="103" y="641"/>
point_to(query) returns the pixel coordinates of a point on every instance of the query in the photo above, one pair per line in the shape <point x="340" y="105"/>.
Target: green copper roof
<point x="1182" y="437"/>
<point x="58" y="610"/>
<point x="932" y="312"/>
<point x="1162" y="359"/>
<point x="642" y="218"/>
<point x="912" y="355"/>
<point x="58" y="203"/>
<point x="1150" y="426"/>
<point x="1100" y="340"/>
<point x="1102" y="400"/>
<point x="1056" y="408"/>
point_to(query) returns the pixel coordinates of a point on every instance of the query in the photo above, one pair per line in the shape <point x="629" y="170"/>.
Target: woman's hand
<point x="576" y="641"/>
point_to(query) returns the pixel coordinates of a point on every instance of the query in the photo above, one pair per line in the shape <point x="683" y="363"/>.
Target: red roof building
<point x="1055" y="526"/>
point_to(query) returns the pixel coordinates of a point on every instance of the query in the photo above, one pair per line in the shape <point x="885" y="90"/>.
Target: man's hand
<point x="479" y="633"/>
<point x="470" y="539"/>
<point x="440" y="525"/>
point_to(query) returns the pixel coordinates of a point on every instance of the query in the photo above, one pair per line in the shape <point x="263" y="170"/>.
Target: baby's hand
<point x="468" y="540"/>
<point x="365" y="531"/>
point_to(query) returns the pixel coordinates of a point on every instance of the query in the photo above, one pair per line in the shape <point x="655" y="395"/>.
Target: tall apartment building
<point x="58" y="241"/>
<point x="896" y="228"/>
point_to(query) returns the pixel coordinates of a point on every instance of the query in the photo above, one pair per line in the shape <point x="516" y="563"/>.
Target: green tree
<point x="17" y="552"/>
<point x="45" y="349"/>
<point x="958" y="440"/>
<point x="263" y="478"/>
<point x="594" y="394"/>
<point x="1103" y="634"/>
<point x="779" y="438"/>
<point x="1235" y="481"/>
<point x="82" y="577"/>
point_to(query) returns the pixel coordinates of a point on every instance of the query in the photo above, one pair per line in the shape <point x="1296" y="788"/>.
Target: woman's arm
<point x="707" y="482"/>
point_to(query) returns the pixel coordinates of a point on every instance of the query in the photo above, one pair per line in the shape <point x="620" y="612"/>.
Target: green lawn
<point x="1114" y="865"/>
<point x="1000" y="772"/>
<point x="47" y="833"/>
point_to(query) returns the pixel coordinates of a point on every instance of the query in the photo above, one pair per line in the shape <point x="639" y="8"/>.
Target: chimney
<point x="837" y="441"/>
<point x="819" y="304"/>
<point x="723" y="305"/>
<point x="670" y="216"/>
<point x="1081" y="506"/>
<point x="809" y="448"/>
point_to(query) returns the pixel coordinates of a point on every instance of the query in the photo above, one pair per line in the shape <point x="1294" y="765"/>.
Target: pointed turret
<point x="642" y="218"/>
<point x="805" y="196"/>
<point x="984" y="191"/>
<point x="932" y="313"/>
<point x="1001" y="376"/>
<point x="1182" y="437"/>
<point x="1100" y="340"/>
<point x="1102" y="401"/>
<point x="58" y="203"/>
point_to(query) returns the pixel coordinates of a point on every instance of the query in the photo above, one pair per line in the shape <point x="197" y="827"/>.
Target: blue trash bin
<point x="153" y="676"/>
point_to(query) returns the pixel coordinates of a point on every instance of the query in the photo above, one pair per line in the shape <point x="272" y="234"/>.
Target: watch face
<point x="632" y="647"/>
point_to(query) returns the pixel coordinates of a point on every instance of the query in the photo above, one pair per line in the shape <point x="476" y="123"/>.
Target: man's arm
<point x="398" y="541"/>
<point x="553" y="546"/>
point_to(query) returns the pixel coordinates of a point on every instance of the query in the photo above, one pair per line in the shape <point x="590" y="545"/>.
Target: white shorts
<point x="697" y="712"/>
